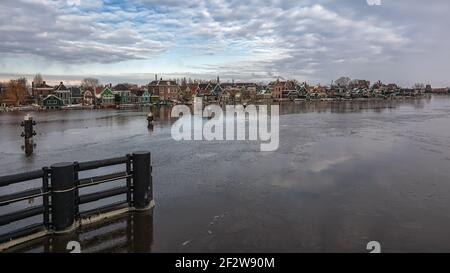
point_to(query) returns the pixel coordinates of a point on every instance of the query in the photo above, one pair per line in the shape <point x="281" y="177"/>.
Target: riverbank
<point x="34" y="108"/>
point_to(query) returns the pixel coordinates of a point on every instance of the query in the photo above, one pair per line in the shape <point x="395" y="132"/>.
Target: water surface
<point x="345" y="173"/>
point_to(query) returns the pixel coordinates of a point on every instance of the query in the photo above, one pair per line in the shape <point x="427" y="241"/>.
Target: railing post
<point x="76" y="191"/>
<point x="46" y="198"/>
<point x="142" y="180"/>
<point x="63" y="196"/>
<point x="129" y="181"/>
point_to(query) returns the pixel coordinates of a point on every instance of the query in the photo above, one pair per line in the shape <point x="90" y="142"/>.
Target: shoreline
<point x="34" y="108"/>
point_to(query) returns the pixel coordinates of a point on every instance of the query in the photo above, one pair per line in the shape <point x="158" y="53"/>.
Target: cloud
<point x="374" y="2"/>
<point x="308" y="40"/>
<point x="63" y="32"/>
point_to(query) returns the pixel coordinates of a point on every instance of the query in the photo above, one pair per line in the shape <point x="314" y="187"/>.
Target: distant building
<point x="124" y="92"/>
<point x="88" y="97"/>
<point x="41" y="91"/>
<point x="146" y="98"/>
<point x="52" y="102"/>
<point x="442" y="91"/>
<point x="76" y="96"/>
<point x="62" y="92"/>
<point x="277" y="89"/>
<point x="165" y="89"/>
<point x="106" y="98"/>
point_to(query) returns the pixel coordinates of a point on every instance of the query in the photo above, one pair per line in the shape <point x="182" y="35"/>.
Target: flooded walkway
<point x="346" y="173"/>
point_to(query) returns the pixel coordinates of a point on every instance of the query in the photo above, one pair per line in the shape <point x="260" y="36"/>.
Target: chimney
<point x="156" y="77"/>
<point x="44" y="83"/>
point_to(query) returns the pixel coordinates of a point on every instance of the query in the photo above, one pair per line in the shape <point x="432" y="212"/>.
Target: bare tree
<point x="90" y="82"/>
<point x="16" y="92"/>
<point x="343" y="81"/>
<point x="23" y="81"/>
<point x="38" y="79"/>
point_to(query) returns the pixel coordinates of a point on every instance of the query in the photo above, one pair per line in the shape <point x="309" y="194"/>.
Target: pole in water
<point x="150" y="119"/>
<point x="28" y="134"/>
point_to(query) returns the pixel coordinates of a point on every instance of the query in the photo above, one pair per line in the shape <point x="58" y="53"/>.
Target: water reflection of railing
<point x="128" y="233"/>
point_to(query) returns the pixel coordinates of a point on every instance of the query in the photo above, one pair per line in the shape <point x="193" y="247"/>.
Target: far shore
<point x="33" y="108"/>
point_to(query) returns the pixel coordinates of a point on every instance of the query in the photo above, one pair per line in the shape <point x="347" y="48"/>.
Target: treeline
<point x="14" y="92"/>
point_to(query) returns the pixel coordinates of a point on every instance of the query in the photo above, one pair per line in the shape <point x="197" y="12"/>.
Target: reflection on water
<point x="345" y="173"/>
<point x="132" y="232"/>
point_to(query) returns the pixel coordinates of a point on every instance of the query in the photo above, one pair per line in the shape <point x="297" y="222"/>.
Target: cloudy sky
<point x="403" y="41"/>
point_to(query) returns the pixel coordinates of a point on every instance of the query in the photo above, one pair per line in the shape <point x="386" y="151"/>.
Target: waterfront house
<point x="145" y="99"/>
<point x="88" y="97"/>
<point x="441" y="91"/>
<point x="106" y="98"/>
<point x="185" y="93"/>
<point x="194" y="88"/>
<point x="277" y="89"/>
<point x="41" y="91"/>
<point x="165" y="89"/>
<point x="225" y="97"/>
<point x="215" y="92"/>
<point x="124" y="92"/>
<point x="264" y="93"/>
<point x="210" y="90"/>
<point x="52" y="102"/>
<point x="138" y="91"/>
<point x="76" y="97"/>
<point x="62" y="92"/>
<point x="204" y="89"/>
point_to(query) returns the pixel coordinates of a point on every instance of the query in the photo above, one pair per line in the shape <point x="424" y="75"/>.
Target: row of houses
<point x="162" y="91"/>
<point x="105" y="96"/>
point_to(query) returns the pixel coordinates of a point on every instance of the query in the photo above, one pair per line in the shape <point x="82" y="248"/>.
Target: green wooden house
<point x="52" y="102"/>
<point x="107" y="97"/>
<point x="145" y="98"/>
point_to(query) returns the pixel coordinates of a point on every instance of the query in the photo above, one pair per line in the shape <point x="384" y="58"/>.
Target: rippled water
<point x="345" y="174"/>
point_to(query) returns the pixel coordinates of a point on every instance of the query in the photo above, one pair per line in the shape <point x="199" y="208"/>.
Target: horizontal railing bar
<point x="20" y="196"/>
<point x="20" y="177"/>
<point x="21" y="214"/>
<point x="21" y="232"/>
<point x="85" y="182"/>
<point x="91" y="165"/>
<point x="101" y="195"/>
<point x="105" y="209"/>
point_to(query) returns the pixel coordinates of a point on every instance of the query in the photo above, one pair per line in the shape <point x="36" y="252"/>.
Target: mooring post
<point x="142" y="180"/>
<point x="63" y="196"/>
<point x="150" y="119"/>
<point x="28" y="134"/>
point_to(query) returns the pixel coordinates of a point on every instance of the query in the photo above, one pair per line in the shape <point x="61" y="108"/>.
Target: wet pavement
<point x="345" y="173"/>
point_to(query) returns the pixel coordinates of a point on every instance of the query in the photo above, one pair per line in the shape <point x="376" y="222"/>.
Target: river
<point x="345" y="173"/>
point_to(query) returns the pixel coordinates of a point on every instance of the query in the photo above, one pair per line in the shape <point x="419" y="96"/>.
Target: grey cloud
<point x="44" y="29"/>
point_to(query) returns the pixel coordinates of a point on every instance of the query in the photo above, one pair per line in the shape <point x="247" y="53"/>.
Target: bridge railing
<point x="61" y="198"/>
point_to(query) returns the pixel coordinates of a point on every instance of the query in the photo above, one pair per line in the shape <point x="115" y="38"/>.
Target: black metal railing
<point x="61" y="199"/>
